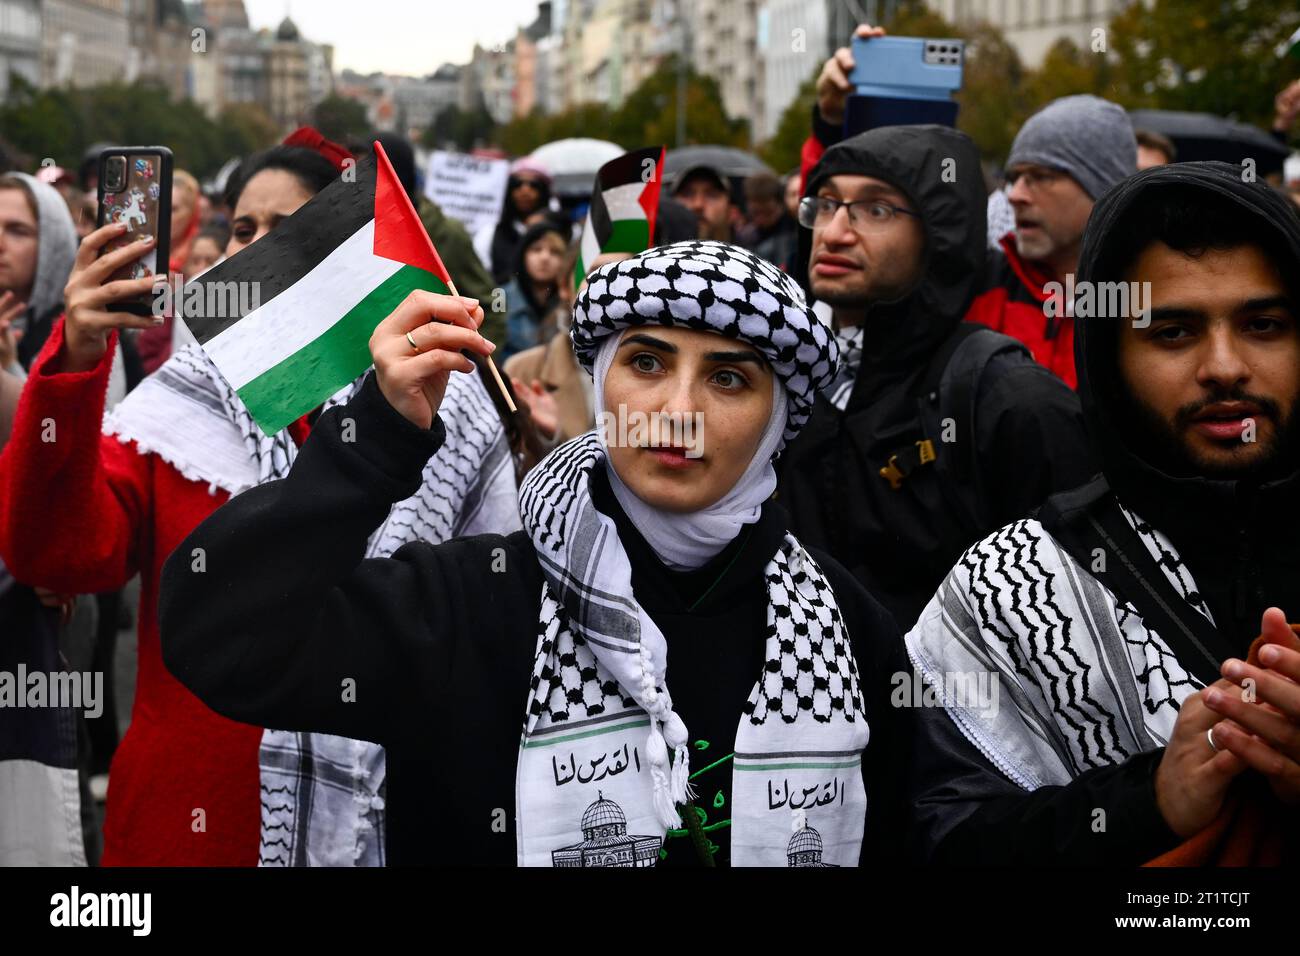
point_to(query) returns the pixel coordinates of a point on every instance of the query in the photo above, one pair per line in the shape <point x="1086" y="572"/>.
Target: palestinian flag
<point x="624" y="203"/>
<point x="1290" y="46"/>
<point x="288" y="320"/>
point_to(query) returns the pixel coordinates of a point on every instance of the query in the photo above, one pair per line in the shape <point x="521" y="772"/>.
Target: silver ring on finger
<point x="415" y="348"/>
<point x="1209" y="735"/>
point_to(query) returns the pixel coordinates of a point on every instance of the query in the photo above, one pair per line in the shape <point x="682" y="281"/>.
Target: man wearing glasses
<point x="935" y="432"/>
<point x="1065" y="158"/>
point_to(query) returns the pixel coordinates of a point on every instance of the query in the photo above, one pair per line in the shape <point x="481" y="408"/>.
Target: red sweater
<point x="81" y="512"/>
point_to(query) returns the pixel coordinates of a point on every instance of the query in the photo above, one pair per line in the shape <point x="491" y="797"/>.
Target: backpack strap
<point x="949" y="393"/>
<point x="959" y="391"/>
<point x="1089" y="524"/>
<point x="908" y="458"/>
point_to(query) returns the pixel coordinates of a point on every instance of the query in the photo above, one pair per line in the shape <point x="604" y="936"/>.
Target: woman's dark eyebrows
<point x="735" y="357"/>
<point x="654" y="343"/>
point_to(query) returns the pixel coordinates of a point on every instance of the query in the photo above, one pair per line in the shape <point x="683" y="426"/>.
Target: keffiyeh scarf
<point x="846" y="376"/>
<point x="322" y="795"/>
<point x="1082" y="681"/>
<point x="603" y="762"/>
<point x="596" y="785"/>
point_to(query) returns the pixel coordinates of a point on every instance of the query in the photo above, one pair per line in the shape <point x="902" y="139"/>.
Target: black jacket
<point x="436" y="637"/>
<point x="1028" y="431"/>
<point x="1237" y="539"/>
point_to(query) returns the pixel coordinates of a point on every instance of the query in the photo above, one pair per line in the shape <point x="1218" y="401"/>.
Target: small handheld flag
<point x="1290" y="46"/>
<point x="288" y="321"/>
<point x="624" y="204"/>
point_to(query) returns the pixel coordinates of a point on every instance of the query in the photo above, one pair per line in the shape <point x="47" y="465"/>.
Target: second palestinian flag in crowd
<point x="624" y="204"/>
<point x="320" y="283"/>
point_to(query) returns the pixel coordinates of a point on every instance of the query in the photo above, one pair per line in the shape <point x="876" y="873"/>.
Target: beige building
<point x="159" y="32"/>
<point x="605" y="50"/>
<point x="723" y="36"/>
<point x="1032" y="26"/>
<point x="286" y="69"/>
<point x="20" y="42"/>
<point x="85" y="43"/>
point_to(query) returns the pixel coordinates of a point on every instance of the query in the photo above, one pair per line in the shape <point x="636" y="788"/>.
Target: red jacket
<point x="1012" y="303"/>
<point x="82" y="513"/>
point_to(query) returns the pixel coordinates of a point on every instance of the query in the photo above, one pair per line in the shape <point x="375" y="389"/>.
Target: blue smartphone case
<point x="911" y="68"/>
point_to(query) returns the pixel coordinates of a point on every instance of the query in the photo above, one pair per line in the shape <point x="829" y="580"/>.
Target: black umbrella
<point x="731" y="162"/>
<point x="1206" y="136"/>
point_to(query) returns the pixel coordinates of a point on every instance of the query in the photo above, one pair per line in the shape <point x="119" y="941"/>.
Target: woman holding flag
<point x="693" y="686"/>
<point x="83" y="508"/>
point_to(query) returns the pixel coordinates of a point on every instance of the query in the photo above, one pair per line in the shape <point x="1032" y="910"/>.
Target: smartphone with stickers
<point x="135" y="188"/>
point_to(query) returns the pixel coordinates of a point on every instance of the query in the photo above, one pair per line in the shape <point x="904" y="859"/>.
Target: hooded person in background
<point x="533" y="292"/>
<point x="1063" y="160"/>
<point x="934" y="431"/>
<point x="1119" y="622"/>
<point x="528" y="192"/>
<point x="40" y="244"/>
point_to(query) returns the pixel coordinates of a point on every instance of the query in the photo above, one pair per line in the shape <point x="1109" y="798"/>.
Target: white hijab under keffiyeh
<point x="603" y="758"/>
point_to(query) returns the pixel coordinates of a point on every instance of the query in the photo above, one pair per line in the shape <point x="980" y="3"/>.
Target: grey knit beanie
<point x="1085" y="136"/>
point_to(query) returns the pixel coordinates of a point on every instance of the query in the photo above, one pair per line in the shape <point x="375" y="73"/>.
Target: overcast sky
<point x="398" y="36"/>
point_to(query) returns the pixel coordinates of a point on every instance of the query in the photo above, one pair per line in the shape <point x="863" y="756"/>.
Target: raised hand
<point x="89" y="292"/>
<point x="416" y="349"/>
<point x="833" y="86"/>
<point x="10" y="309"/>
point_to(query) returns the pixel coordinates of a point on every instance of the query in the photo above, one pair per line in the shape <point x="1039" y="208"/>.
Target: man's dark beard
<point x="1163" y="446"/>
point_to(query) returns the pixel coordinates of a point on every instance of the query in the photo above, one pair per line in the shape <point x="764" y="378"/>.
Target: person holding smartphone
<point x="83" y="512"/>
<point x="90" y="508"/>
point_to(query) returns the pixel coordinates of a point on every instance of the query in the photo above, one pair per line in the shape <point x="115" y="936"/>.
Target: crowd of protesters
<point x="921" y="460"/>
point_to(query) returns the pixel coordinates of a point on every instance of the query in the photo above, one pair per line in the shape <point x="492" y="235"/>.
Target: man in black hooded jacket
<point x="935" y="432"/>
<point x="1097" y="705"/>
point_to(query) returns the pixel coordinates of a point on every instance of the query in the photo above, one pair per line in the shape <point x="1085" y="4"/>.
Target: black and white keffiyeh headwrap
<point x="322" y="795"/>
<point x="712" y="287"/>
<point x="599" y="700"/>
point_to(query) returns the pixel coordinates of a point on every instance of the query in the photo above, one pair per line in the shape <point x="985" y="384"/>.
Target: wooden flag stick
<point x="505" y="392"/>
